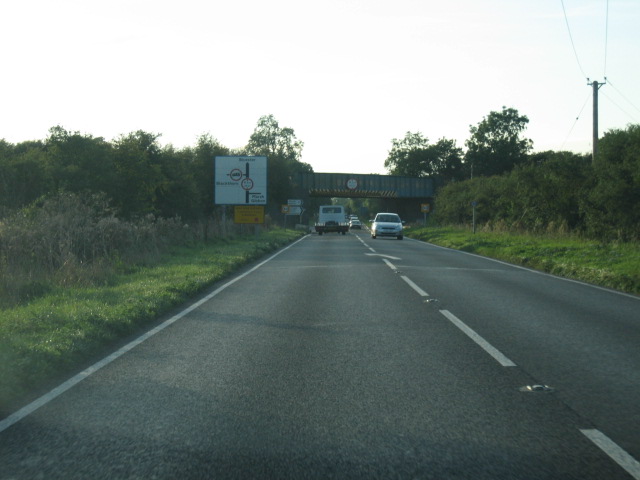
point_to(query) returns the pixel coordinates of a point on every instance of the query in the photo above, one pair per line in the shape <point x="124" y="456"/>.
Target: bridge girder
<point x="356" y="185"/>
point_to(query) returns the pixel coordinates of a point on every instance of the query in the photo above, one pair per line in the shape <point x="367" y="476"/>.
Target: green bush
<point x="77" y="240"/>
<point x="556" y="192"/>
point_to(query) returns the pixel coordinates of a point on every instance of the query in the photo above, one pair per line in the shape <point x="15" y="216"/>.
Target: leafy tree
<point x="79" y="163"/>
<point x="6" y="148"/>
<point x="445" y="160"/>
<point x="283" y="151"/>
<point x="6" y="173"/>
<point x="495" y="145"/>
<point x="406" y="155"/>
<point x="271" y="140"/>
<point x="23" y="176"/>
<point x="413" y="156"/>
<point x="613" y="205"/>
<point x="177" y="195"/>
<point x="139" y="173"/>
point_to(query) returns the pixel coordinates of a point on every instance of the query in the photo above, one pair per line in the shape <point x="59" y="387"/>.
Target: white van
<point x="332" y="218"/>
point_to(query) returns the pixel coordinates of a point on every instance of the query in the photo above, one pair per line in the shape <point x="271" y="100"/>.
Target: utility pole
<point x="596" y="86"/>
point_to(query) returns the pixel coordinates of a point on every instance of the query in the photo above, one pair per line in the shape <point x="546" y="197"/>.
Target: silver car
<point x="387" y="225"/>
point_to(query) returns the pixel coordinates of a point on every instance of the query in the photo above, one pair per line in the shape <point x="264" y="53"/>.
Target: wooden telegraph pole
<point x="596" y="86"/>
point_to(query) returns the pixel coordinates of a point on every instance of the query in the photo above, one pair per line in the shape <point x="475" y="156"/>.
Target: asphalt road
<point x="348" y="357"/>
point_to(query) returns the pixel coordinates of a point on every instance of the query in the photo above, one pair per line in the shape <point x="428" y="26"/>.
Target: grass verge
<point x="63" y="330"/>
<point x="615" y="265"/>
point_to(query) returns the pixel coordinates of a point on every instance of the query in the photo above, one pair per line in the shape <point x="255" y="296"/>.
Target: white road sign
<point x="240" y="180"/>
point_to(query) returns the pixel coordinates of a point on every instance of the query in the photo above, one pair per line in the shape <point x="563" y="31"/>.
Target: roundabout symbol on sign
<point x="236" y="174"/>
<point x="247" y="184"/>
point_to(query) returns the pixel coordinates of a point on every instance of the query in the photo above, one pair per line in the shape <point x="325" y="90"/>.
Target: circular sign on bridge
<point x="352" y="184"/>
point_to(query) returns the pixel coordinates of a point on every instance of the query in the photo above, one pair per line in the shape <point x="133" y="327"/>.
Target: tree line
<point x="136" y="174"/>
<point x="511" y="185"/>
<point x="514" y="188"/>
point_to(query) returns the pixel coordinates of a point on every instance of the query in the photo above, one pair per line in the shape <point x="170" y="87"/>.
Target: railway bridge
<point x="404" y="195"/>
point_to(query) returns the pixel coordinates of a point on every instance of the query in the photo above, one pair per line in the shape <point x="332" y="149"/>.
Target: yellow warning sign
<point x="248" y="214"/>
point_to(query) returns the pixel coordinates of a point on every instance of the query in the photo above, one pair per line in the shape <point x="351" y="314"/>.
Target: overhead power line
<point x="619" y="107"/>
<point x="622" y="95"/>
<point x="595" y="85"/>
<point x="566" y="20"/>
<point x="606" y="40"/>
<point x="576" y="120"/>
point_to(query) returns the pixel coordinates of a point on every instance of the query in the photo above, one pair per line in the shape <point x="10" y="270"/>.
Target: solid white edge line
<point x="571" y="280"/>
<point x="486" y="346"/>
<point x="389" y="264"/>
<point x="63" y="387"/>
<point x="421" y="292"/>
<point x="617" y="454"/>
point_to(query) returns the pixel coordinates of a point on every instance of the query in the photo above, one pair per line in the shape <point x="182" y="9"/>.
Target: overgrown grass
<point x="613" y="265"/>
<point x="64" y="328"/>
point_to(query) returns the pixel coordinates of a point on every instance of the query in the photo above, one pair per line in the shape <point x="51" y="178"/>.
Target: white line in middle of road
<point x="486" y="346"/>
<point x="421" y="292"/>
<point x="389" y="264"/>
<point x="620" y="456"/>
<point x="365" y="244"/>
<point x="383" y="255"/>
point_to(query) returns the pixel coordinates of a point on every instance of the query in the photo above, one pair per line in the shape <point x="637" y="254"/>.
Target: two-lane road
<point x="347" y="357"/>
<point x="583" y="340"/>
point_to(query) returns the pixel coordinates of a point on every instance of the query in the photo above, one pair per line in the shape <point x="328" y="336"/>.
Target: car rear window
<point x="388" y="218"/>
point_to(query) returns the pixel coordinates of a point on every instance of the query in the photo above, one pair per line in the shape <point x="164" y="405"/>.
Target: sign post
<point x="425" y="208"/>
<point x="474" y="204"/>
<point x="284" y="209"/>
<point x="293" y="207"/>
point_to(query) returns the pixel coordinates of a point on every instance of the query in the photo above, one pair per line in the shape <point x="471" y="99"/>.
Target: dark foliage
<point x="495" y="145"/>
<point x="414" y="156"/>
<point x="136" y="174"/>
<point x="557" y="192"/>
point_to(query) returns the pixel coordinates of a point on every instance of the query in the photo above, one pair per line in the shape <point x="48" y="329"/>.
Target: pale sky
<point x="347" y="75"/>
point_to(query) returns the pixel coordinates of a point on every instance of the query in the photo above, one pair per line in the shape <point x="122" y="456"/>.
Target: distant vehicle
<point x="355" y="224"/>
<point x="331" y="218"/>
<point x="387" y="225"/>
